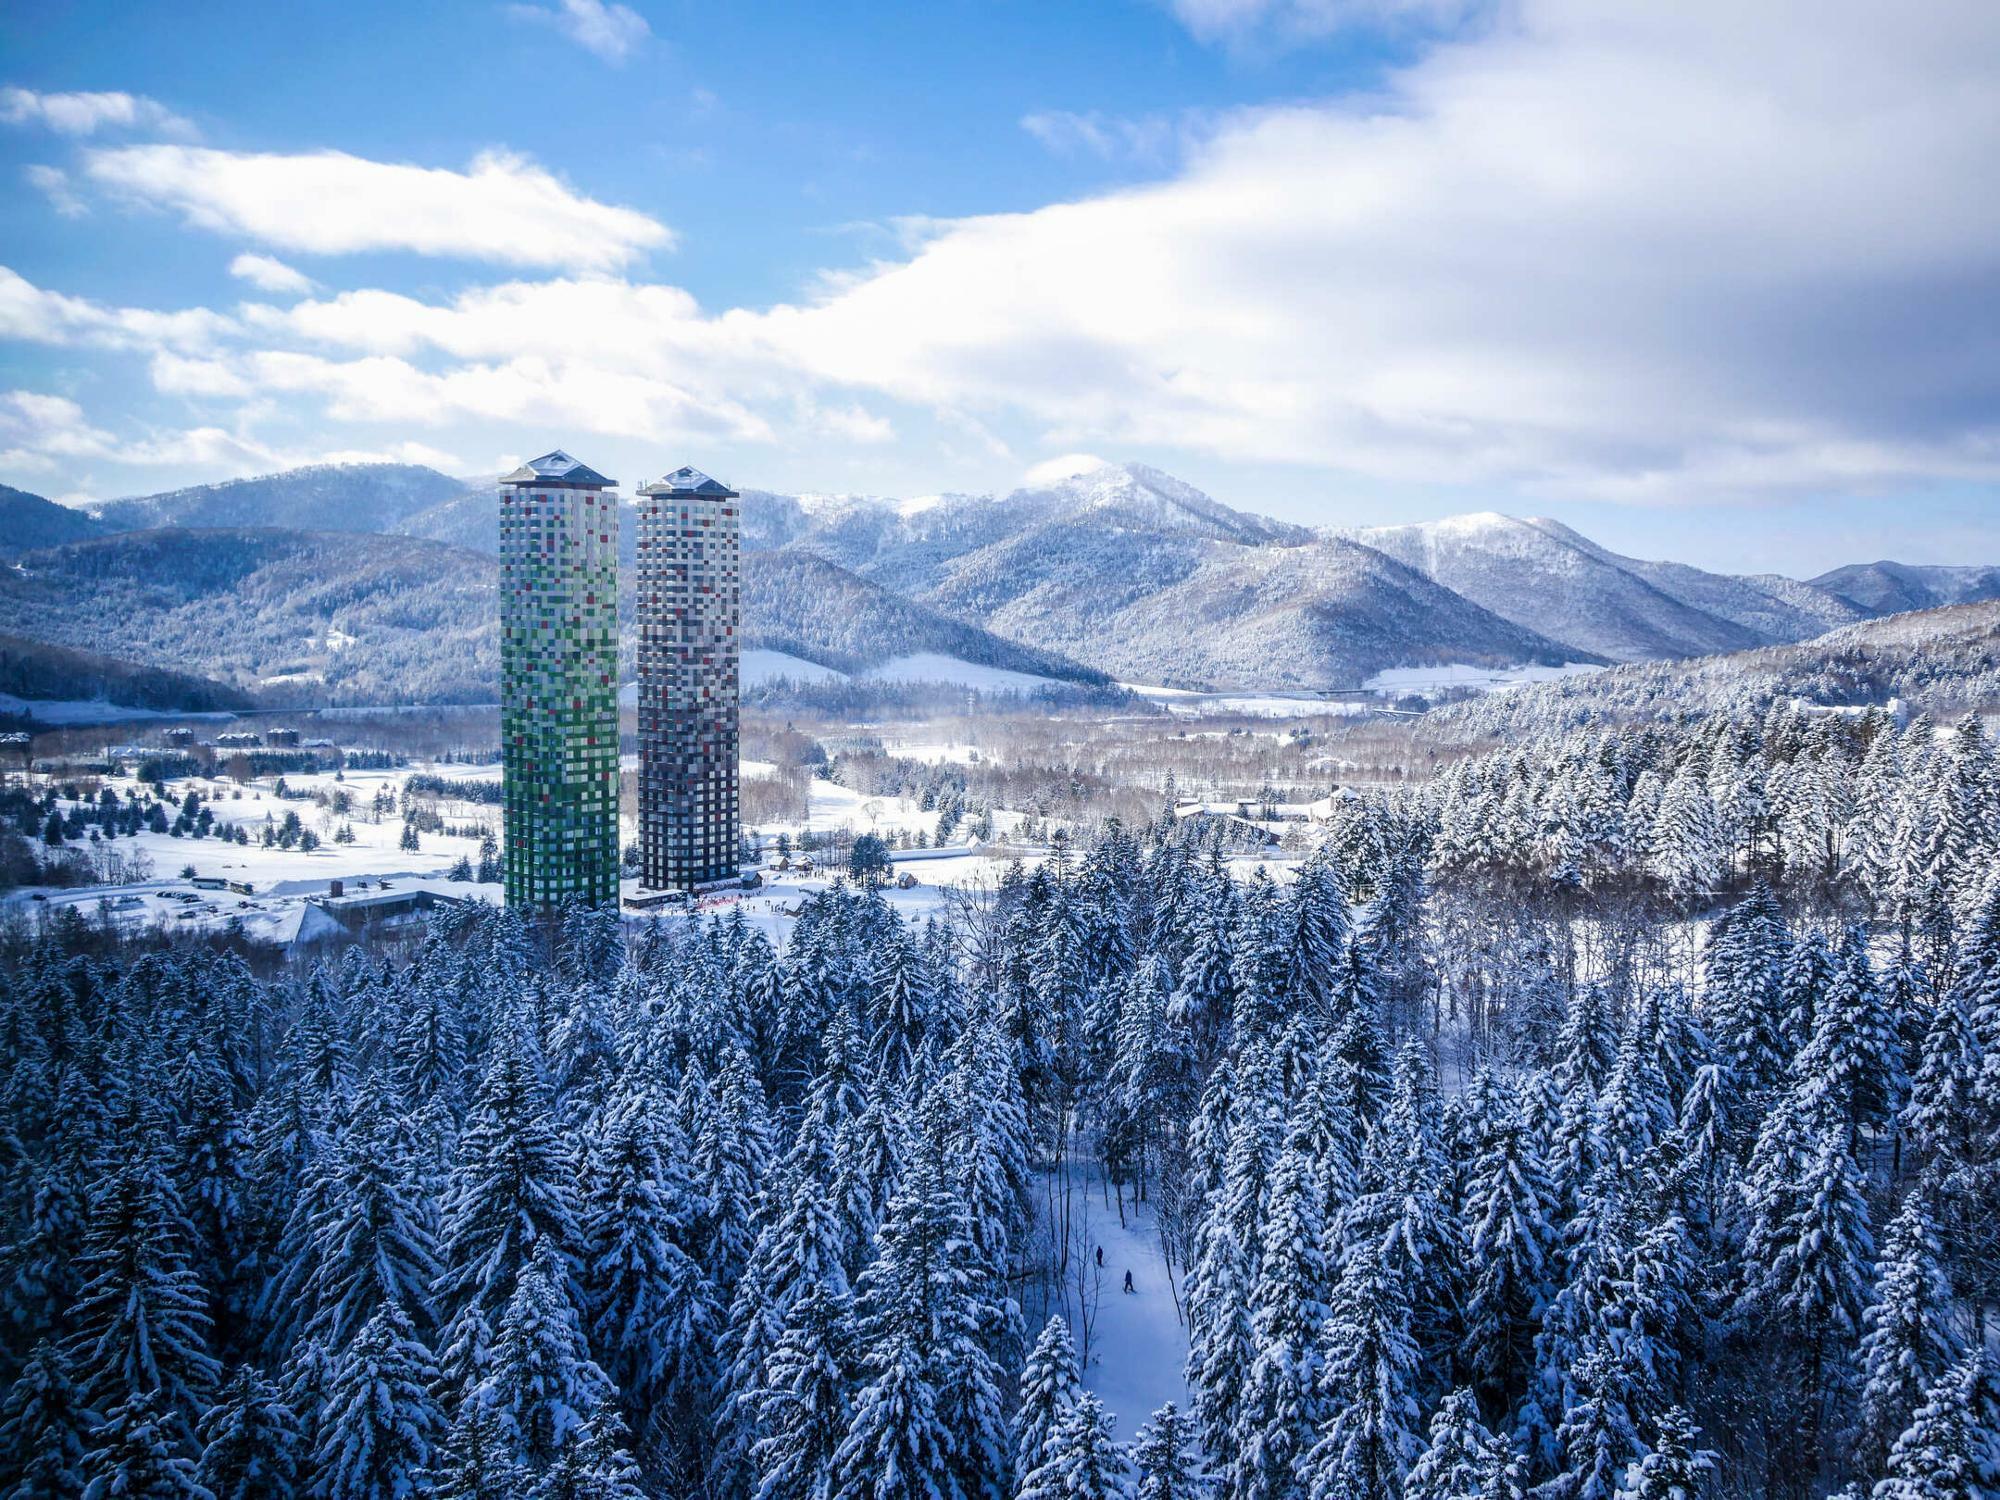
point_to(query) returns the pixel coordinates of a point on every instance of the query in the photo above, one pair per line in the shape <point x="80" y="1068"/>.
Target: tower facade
<point x="689" y="604"/>
<point x="559" y="681"/>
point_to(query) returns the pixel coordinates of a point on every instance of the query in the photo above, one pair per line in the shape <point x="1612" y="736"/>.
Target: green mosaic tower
<point x="559" y="681"/>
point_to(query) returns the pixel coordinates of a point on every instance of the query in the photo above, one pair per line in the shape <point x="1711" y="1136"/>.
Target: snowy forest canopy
<point x="1615" y="1115"/>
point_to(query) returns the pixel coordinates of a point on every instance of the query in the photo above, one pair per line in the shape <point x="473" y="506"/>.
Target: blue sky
<point x="1717" y="284"/>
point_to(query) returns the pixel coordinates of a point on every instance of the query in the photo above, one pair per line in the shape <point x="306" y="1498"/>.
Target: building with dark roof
<point x="690" y="604"/>
<point x="559" y="682"/>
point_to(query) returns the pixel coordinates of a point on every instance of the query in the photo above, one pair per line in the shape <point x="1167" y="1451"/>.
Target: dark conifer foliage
<point x="1617" y="1114"/>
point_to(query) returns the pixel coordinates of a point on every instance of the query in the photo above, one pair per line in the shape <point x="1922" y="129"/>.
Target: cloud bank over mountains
<point x="1714" y="252"/>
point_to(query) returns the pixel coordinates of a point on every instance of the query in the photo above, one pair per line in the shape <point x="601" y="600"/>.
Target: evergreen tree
<point x="596" y="1466"/>
<point x="1951" y="1450"/>
<point x="1282" y="1410"/>
<point x="803" y="1410"/>
<point x="1598" y="1435"/>
<point x="476" y="1460"/>
<point x="1912" y="1337"/>
<point x="140" y="1316"/>
<point x="1509" y="1242"/>
<point x="138" y="1454"/>
<point x="1050" y="1386"/>
<point x="42" y="1431"/>
<point x="651" y="1309"/>
<point x="381" y="1420"/>
<point x="249" y="1442"/>
<point x="1166" y="1459"/>
<point x="1370" y="1438"/>
<point x="896" y="1447"/>
<point x="511" y="1191"/>
<point x="1675" y="1468"/>
<point x="1081" y="1461"/>
<point x="375" y="1240"/>
<point x="1462" y="1461"/>
<point x="542" y="1380"/>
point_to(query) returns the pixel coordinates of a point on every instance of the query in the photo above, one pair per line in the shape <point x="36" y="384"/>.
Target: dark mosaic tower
<point x="689" y="604"/>
<point x="559" y="681"/>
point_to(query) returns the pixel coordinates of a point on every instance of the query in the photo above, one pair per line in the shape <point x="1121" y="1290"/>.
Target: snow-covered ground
<point x="1139" y="1345"/>
<point x="932" y="666"/>
<point x="1260" y="705"/>
<point x="1459" y="675"/>
<point x="760" y="665"/>
<point x="67" y="712"/>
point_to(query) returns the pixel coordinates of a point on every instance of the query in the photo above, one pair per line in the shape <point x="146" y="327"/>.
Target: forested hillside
<point x="29" y="521"/>
<point x="333" y="617"/>
<point x="305" y="617"/>
<point x="1616" y="1116"/>
<point x="35" y="669"/>
<point x="1941" y="661"/>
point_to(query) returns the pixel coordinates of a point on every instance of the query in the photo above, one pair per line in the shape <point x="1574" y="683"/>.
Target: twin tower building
<point x="559" y="681"/>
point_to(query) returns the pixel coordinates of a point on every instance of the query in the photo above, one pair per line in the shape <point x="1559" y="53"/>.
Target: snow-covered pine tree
<point x="140" y="1320"/>
<point x="43" y="1430"/>
<point x="1049" y="1388"/>
<point x="804" y="1407"/>
<point x="1462" y="1460"/>
<point x="140" y="1452"/>
<point x="1166" y="1459"/>
<point x="651" y="1310"/>
<point x="895" y="1446"/>
<point x="1510" y="1243"/>
<point x="1282" y="1405"/>
<point x="381" y="1421"/>
<point x="1080" y="1462"/>
<point x="1675" y="1468"/>
<point x="512" y="1190"/>
<point x="1912" y="1333"/>
<point x="597" y="1466"/>
<point x="375" y="1240"/>
<point x="476" y="1461"/>
<point x="542" y="1380"/>
<point x="249" y="1442"/>
<point x="1598" y="1435"/>
<point x="1370" y="1437"/>
<point x="1941" y="1117"/>
<point x="1951" y="1449"/>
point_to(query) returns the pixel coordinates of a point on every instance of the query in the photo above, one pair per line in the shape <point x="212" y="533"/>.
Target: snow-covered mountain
<point x="1130" y="571"/>
<point x="321" y="497"/>
<point x="1140" y="574"/>
<point x="1889" y="587"/>
<point x="1545" y="577"/>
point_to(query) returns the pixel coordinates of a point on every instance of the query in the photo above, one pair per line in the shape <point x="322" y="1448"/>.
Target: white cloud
<point x="1623" y="252"/>
<point x="1148" y="138"/>
<point x="177" y="375"/>
<point x="35" y="315"/>
<point x="612" y="31"/>
<point x="53" y="183"/>
<point x="269" y="275"/>
<point x="527" y="388"/>
<point x="48" y="434"/>
<point x="86" y="114"/>
<point x="1067" y="466"/>
<point x="1644" y="255"/>
<point x="504" y="208"/>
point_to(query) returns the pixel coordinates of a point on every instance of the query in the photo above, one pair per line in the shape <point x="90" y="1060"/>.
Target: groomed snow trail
<point x="1138" y="1347"/>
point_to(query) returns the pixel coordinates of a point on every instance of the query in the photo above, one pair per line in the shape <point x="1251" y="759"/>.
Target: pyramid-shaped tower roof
<point x="690" y="481"/>
<point x="560" y="469"/>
